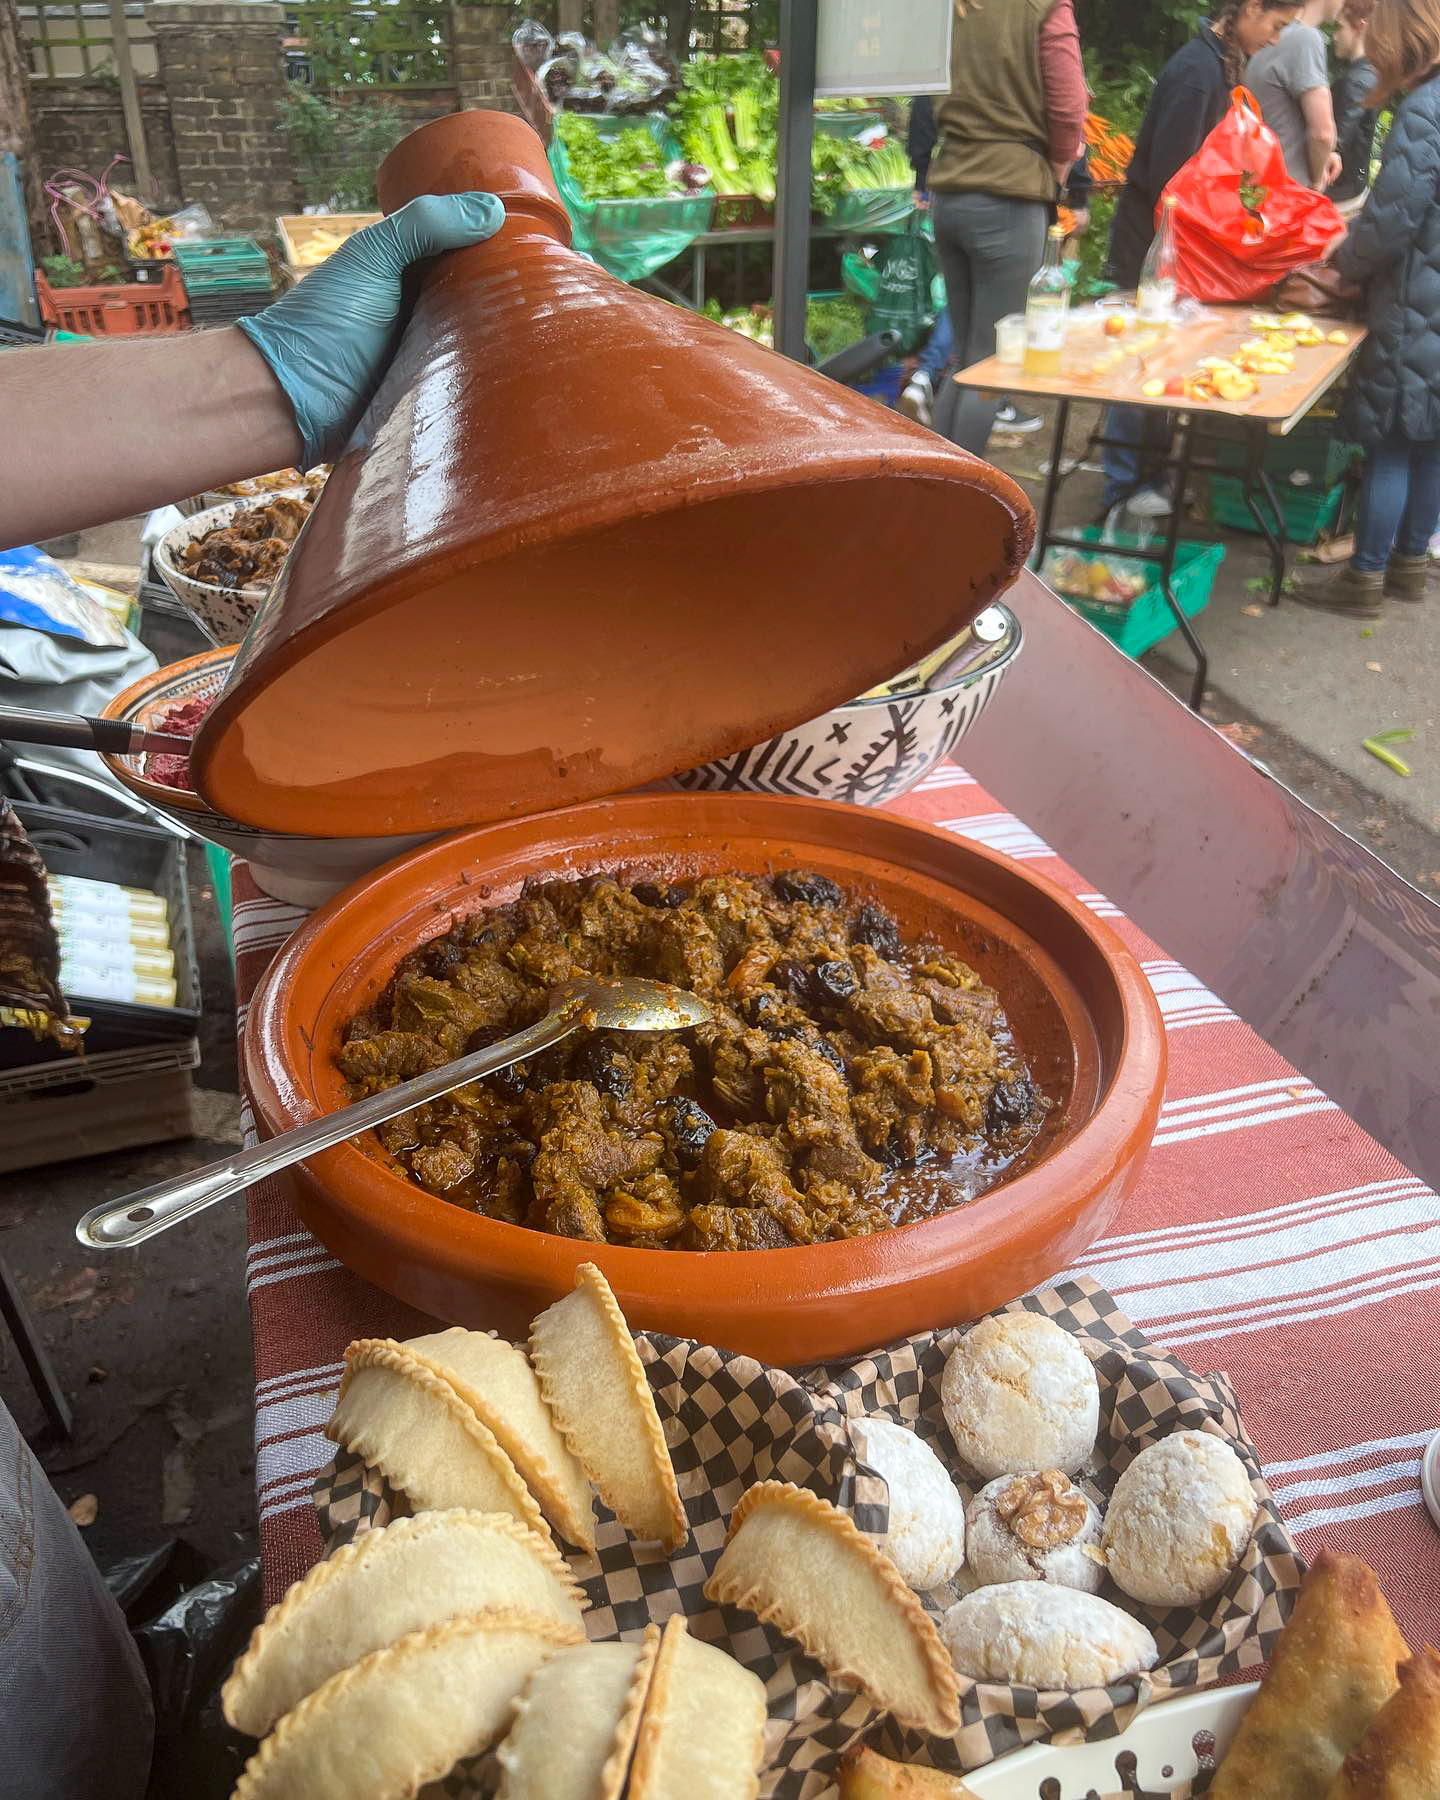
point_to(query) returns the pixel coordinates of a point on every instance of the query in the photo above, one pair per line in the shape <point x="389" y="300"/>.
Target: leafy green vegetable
<point x="626" y="166"/>
<point x="830" y="325"/>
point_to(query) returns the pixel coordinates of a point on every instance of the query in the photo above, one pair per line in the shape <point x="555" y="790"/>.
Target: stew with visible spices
<point x="848" y="1082"/>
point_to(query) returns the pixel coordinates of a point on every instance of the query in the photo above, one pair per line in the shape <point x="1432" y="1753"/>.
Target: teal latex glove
<point x="329" y="340"/>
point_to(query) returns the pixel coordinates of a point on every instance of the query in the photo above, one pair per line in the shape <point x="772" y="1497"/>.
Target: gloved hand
<point x="329" y="340"/>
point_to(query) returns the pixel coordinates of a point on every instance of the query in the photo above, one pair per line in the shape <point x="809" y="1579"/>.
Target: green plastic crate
<point x="1141" y="625"/>
<point x="1310" y="451"/>
<point x="217" y="862"/>
<point x="1304" y="512"/>
<point x="211" y="265"/>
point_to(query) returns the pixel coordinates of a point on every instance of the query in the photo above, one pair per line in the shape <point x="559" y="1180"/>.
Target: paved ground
<point x="1302" y="689"/>
<point x="153" y="1346"/>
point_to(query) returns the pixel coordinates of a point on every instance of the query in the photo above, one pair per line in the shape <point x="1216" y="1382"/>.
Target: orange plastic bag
<point x="1241" y="221"/>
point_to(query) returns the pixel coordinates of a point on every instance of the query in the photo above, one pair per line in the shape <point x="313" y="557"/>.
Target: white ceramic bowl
<point x="223" y="613"/>
<point x="306" y="871"/>
<point x="869" y="750"/>
<point x="1165" y="1741"/>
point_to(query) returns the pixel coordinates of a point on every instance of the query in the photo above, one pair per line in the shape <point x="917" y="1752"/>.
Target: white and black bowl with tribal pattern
<point x="872" y="749"/>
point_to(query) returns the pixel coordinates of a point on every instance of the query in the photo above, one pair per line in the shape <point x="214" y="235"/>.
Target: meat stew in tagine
<point x="848" y="1082"/>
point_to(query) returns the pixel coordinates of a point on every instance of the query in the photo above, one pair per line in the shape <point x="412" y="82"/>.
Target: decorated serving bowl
<point x="873" y="749"/>
<point x="1079" y="1006"/>
<point x="287" y="865"/>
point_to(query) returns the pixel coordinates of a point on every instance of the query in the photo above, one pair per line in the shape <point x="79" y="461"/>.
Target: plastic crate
<point x="1310" y="451"/>
<point x="742" y="212"/>
<point x="1141" y="625"/>
<point x="120" y="309"/>
<point x="1304" y="512"/>
<point x="297" y="230"/>
<point x="871" y="209"/>
<point x="136" y="855"/>
<point x="209" y="264"/>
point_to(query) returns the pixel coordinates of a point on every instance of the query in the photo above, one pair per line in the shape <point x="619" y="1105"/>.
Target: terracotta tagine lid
<point x="583" y="538"/>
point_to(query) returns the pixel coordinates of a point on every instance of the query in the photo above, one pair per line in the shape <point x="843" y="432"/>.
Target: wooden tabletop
<point x="1112" y="370"/>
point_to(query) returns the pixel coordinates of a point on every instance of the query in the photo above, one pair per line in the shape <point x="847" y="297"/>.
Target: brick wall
<point x="78" y="126"/>
<point x="223" y="68"/>
<point x="213" y="116"/>
<point x="480" y="32"/>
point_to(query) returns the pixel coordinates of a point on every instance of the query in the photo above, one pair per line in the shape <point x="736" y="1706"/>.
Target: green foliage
<point x="393" y="43"/>
<point x="726" y="119"/>
<point x="65" y="272"/>
<point x="626" y="166"/>
<point x="339" y="144"/>
<point x="1130" y="39"/>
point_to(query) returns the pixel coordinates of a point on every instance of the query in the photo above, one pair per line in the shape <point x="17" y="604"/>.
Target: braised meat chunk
<point x="846" y="1082"/>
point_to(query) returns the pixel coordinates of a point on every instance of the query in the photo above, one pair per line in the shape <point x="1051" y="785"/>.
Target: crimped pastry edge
<point x="254" y="1774"/>
<point x="616" y="1770"/>
<point x="590" y="1281"/>
<point x="676" y="1629"/>
<point x="944" y="1721"/>
<point x="370" y="1543"/>
<point x="385" y="1353"/>
<point x="551" y="1496"/>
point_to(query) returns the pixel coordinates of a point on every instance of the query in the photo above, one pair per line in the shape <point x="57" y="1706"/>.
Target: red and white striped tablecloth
<point x="1269" y="1237"/>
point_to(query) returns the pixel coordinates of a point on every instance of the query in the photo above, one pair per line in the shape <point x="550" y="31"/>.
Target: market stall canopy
<point x="582" y="539"/>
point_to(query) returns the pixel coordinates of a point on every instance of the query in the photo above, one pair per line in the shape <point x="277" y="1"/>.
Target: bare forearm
<point x="1319" y="148"/>
<point x="90" y="433"/>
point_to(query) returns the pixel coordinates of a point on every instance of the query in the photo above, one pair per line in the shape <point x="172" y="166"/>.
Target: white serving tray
<point x="1161" y="1740"/>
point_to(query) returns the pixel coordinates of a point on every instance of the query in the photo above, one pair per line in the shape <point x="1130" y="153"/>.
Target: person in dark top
<point x="1354" y="121"/>
<point x="1392" y="404"/>
<point x="1187" y="102"/>
<point x="920" y="139"/>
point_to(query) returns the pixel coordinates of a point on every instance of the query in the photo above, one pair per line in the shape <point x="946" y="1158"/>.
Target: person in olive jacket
<point x="1393" y="255"/>
<point x="1010" y="129"/>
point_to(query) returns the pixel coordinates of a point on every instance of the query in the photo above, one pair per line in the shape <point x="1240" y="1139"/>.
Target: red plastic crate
<point x="121" y="310"/>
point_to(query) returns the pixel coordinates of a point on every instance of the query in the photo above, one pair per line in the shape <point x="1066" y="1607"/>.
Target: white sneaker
<point x="917" y="400"/>
<point x="1010" y="417"/>
<point x="1150" y="503"/>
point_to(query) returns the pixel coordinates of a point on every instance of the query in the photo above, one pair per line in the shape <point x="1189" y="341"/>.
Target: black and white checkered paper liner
<point x="731" y="1421"/>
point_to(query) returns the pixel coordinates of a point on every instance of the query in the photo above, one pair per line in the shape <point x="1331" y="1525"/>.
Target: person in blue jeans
<point x="1188" y="100"/>
<point x="1393" y="255"/>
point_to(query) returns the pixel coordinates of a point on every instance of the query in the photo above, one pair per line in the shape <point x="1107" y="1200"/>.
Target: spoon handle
<point x="118" y="1224"/>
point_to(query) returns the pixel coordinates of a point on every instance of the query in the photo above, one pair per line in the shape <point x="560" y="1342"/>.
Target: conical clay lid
<point x="584" y="538"/>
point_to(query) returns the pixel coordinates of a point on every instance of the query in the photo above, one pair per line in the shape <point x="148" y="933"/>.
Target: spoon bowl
<point x="620" y="1004"/>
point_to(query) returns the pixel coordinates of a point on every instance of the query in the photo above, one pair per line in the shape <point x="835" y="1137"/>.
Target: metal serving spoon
<point x="627" y="1004"/>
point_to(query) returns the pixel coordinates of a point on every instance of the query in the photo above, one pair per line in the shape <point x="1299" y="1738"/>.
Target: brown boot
<point x="1408" y="577"/>
<point x="1344" y="589"/>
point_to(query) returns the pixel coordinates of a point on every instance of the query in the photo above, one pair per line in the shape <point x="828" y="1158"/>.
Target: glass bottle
<point x="1155" y="297"/>
<point x="1046" y="305"/>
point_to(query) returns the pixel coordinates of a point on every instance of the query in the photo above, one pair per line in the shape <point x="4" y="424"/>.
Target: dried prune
<point x="1010" y="1104"/>
<point x="689" y="1126"/>
<point x="603" y="1068"/>
<point x="806" y="887"/>
<point x="814" y="1041"/>
<point x="443" y="957"/>
<point x="653" y="893"/>
<point x="764" y="1009"/>
<point x="873" y="926"/>
<point x="833" y="983"/>
<point x="795" y="977"/>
